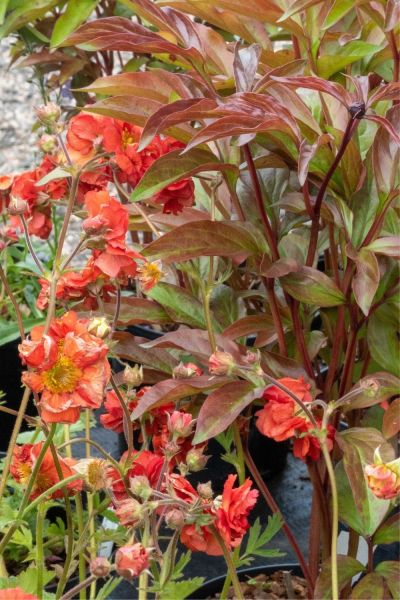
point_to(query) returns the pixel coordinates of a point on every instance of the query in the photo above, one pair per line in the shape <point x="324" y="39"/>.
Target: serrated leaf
<point x="179" y="590"/>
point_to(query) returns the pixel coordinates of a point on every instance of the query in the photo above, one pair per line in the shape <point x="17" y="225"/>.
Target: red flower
<point x="24" y="459"/>
<point x="307" y="445"/>
<point x="130" y="561"/>
<point x="230" y="517"/>
<point x="145" y="464"/>
<point x="384" y="479"/>
<point x="280" y="416"/>
<point x="176" y="196"/>
<point x="85" y="136"/>
<point x="114" y="417"/>
<point x="71" y="377"/>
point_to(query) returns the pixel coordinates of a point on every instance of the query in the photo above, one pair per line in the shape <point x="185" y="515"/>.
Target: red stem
<point x="275" y="509"/>
<point x="299" y="335"/>
<point x="350" y="128"/>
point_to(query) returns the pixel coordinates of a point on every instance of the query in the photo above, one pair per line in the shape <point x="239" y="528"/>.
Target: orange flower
<point x="230" y="514"/>
<point x="130" y="561"/>
<point x="114" y="417"/>
<point x="149" y="275"/>
<point x="145" y="464"/>
<point x="75" y="370"/>
<point x="384" y="478"/>
<point x="85" y="136"/>
<point x="24" y="459"/>
<point x="176" y="196"/>
<point x="16" y="594"/>
<point x="307" y="445"/>
<point x="280" y="416"/>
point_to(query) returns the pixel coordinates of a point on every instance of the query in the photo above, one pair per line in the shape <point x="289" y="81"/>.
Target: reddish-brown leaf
<point x="171" y="390"/>
<point x="196" y="342"/>
<point x="391" y="419"/>
<point x="137" y="310"/>
<point x="386" y="124"/>
<point x="131" y="348"/>
<point x="320" y="85"/>
<point x="221" y="408"/>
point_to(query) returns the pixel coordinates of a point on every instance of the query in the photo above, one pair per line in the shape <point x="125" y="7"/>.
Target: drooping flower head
<point x="130" y="561"/>
<point x="69" y="368"/>
<point x="383" y="478"/>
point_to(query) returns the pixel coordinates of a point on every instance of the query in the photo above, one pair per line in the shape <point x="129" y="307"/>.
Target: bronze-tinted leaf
<point x="137" y="310"/>
<point x="389" y="569"/>
<point x="347" y="568"/>
<point x="388" y="532"/>
<point x="171" y="390"/>
<point x="320" y="85"/>
<point x="312" y="287"/>
<point x="366" y="279"/>
<point x="130" y="348"/>
<point x="221" y="408"/>
<point x="391" y="419"/>
<point x="371" y="587"/>
<point x="245" y="66"/>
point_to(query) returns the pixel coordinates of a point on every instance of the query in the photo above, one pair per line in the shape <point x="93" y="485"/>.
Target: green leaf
<point x="312" y="287"/>
<point x="258" y="539"/>
<point x="348" y="54"/>
<point x="110" y="585"/>
<point x="348" y="512"/>
<point x="391" y="419"/>
<point x="27" y="580"/>
<point x="137" y="310"/>
<point x="10" y="332"/>
<point x="205" y="238"/>
<point x="29" y="11"/>
<point x="383" y="337"/>
<point x="347" y="568"/>
<point x="57" y="173"/>
<point x="371" y="587"/>
<point x="179" y="304"/>
<point x="389" y="531"/>
<point x="77" y="12"/>
<point x="179" y="590"/>
<point x="366" y="279"/>
<point x="388" y="246"/>
<point x="389" y="569"/>
<point x="221" y="408"/>
<point x="173" y="166"/>
<point x="339" y="9"/>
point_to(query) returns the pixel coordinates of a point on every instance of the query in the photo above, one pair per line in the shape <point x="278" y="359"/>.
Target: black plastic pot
<point x="10" y="384"/>
<point x="210" y="588"/>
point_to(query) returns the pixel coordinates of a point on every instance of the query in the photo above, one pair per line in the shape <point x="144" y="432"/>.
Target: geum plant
<point x="257" y="176"/>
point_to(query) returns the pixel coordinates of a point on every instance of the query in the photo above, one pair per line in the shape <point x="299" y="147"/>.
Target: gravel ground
<point x="18" y="97"/>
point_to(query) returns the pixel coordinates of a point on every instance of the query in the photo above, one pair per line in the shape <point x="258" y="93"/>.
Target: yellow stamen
<point x="63" y="376"/>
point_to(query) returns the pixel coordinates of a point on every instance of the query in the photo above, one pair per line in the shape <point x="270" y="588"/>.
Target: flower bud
<point x="383" y="478"/>
<point x="186" y="371"/>
<point x="6" y="182"/>
<point x="180" y="424"/>
<point x="48" y="113"/>
<point x="221" y="363"/>
<point x="100" y="567"/>
<point x="133" y="375"/>
<point x="370" y="387"/>
<point x="130" y="513"/>
<point x="94" y="225"/>
<point x="174" y="518"/>
<point x="99" y="327"/>
<point x="205" y="490"/>
<point x="196" y="460"/>
<point x="17" y="206"/>
<point x="48" y="143"/>
<point x="130" y="561"/>
<point x="140" y="487"/>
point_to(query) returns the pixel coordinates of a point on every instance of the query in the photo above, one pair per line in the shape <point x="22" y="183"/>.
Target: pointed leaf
<point x="312" y="287"/>
<point x="383" y="337"/>
<point x="366" y="280"/>
<point x="388" y="532"/>
<point x="320" y="85"/>
<point x="386" y="124"/>
<point x="307" y="153"/>
<point x="391" y="419"/>
<point x="221" y="408"/>
<point x="245" y="66"/>
<point x="77" y="12"/>
<point x="388" y="246"/>
<point x="137" y="310"/>
<point x="172" y="167"/>
<point x="347" y="568"/>
<point x="204" y="238"/>
<point x="389" y="569"/>
<point x="171" y="390"/>
<point x="179" y="304"/>
<point x="371" y="587"/>
<point x="129" y="348"/>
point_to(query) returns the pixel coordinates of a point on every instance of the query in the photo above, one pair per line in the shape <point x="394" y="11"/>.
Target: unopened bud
<point x="196" y="460"/>
<point x="171" y="449"/>
<point x="186" y="371"/>
<point x="133" y="375"/>
<point x="357" y="110"/>
<point x="205" y="490"/>
<point x="99" y="327"/>
<point x="140" y="487"/>
<point x="94" y="225"/>
<point x="48" y="113"/>
<point x="17" y="206"/>
<point x="100" y="567"/>
<point x="180" y="424"/>
<point x="130" y="513"/>
<point x="48" y="143"/>
<point x="174" y="518"/>
<point x="221" y="363"/>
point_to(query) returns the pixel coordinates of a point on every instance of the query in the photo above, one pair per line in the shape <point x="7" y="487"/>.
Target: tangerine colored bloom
<point x="384" y="479"/>
<point x="144" y="464"/>
<point x="130" y="561"/>
<point x="230" y="512"/>
<point x="85" y="136"/>
<point x="113" y="418"/>
<point x="280" y="417"/>
<point x="307" y="445"/>
<point x="23" y="461"/>
<point x="16" y="594"/>
<point x="69" y="368"/>
<point x="111" y="217"/>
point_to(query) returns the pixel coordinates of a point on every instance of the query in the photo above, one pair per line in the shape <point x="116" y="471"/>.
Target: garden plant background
<point x="226" y="175"/>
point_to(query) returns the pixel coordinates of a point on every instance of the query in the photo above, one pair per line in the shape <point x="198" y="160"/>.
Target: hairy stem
<point x="229" y="563"/>
<point x="82" y="564"/>
<point x="40" y="517"/>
